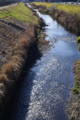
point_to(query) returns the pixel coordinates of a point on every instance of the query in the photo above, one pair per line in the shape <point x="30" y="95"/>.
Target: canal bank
<point x="65" y="14"/>
<point x="45" y="90"/>
<point x="18" y="36"/>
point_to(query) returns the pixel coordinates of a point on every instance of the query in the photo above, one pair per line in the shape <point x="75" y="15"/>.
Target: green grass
<point x="76" y="88"/>
<point x="78" y="40"/>
<point x="19" y="12"/>
<point x="43" y="3"/>
<point x="73" y="9"/>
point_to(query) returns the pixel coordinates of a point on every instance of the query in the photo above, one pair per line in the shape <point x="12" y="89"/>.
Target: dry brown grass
<point x="17" y="34"/>
<point x="3" y="81"/>
<point x="69" y="8"/>
<point x="10" y="72"/>
<point x="69" y="20"/>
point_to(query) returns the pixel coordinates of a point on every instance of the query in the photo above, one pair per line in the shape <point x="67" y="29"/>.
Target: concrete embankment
<point x="17" y="34"/>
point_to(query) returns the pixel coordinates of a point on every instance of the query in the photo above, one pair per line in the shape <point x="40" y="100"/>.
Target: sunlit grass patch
<point x="44" y="3"/>
<point x="73" y="9"/>
<point x="78" y="39"/>
<point x="19" y="12"/>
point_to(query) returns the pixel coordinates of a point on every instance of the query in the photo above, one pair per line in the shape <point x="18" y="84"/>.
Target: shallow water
<point x="45" y="90"/>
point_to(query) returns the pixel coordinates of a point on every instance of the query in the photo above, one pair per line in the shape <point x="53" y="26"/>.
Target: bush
<point x="78" y="40"/>
<point x="75" y="90"/>
<point x="79" y="47"/>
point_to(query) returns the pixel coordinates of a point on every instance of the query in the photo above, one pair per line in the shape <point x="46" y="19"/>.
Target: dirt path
<point x="2" y="7"/>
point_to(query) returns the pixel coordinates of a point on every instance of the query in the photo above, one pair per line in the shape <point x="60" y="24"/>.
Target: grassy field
<point x="19" y="12"/>
<point x="73" y="9"/>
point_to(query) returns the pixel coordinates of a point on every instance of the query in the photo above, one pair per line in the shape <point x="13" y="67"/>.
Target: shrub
<point x="79" y="47"/>
<point x="75" y="90"/>
<point x="78" y="40"/>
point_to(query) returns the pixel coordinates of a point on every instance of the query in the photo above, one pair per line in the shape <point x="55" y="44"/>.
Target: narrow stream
<point x="45" y="90"/>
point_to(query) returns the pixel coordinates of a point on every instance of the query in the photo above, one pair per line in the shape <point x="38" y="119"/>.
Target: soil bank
<point x="18" y="32"/>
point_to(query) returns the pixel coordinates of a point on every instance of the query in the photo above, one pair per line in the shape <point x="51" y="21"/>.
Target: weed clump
<point x="76" y="88"/>
<point x="78" y="40"/>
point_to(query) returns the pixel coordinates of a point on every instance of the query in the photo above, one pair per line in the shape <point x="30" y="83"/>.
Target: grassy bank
<point x="72" y="9"/>
<point x="18" y="31"/>
<point x="19" y="12"/>
<point x="67" y="15"/>
<point x="74" y="103"/>
<point x="76" y="88"/>
<point x="14" y="22"/>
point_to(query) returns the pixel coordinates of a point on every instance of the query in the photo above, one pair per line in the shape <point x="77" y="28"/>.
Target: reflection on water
<point x="53" y="29"/>
<point x="45" y="90"/>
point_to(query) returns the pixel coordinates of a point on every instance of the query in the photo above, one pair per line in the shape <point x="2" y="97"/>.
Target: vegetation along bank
<point x="69" y="17"/>
<point x="19" y="29"/>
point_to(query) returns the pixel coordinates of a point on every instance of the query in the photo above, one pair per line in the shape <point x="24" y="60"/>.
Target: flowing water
<point x="45" y="90"/>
